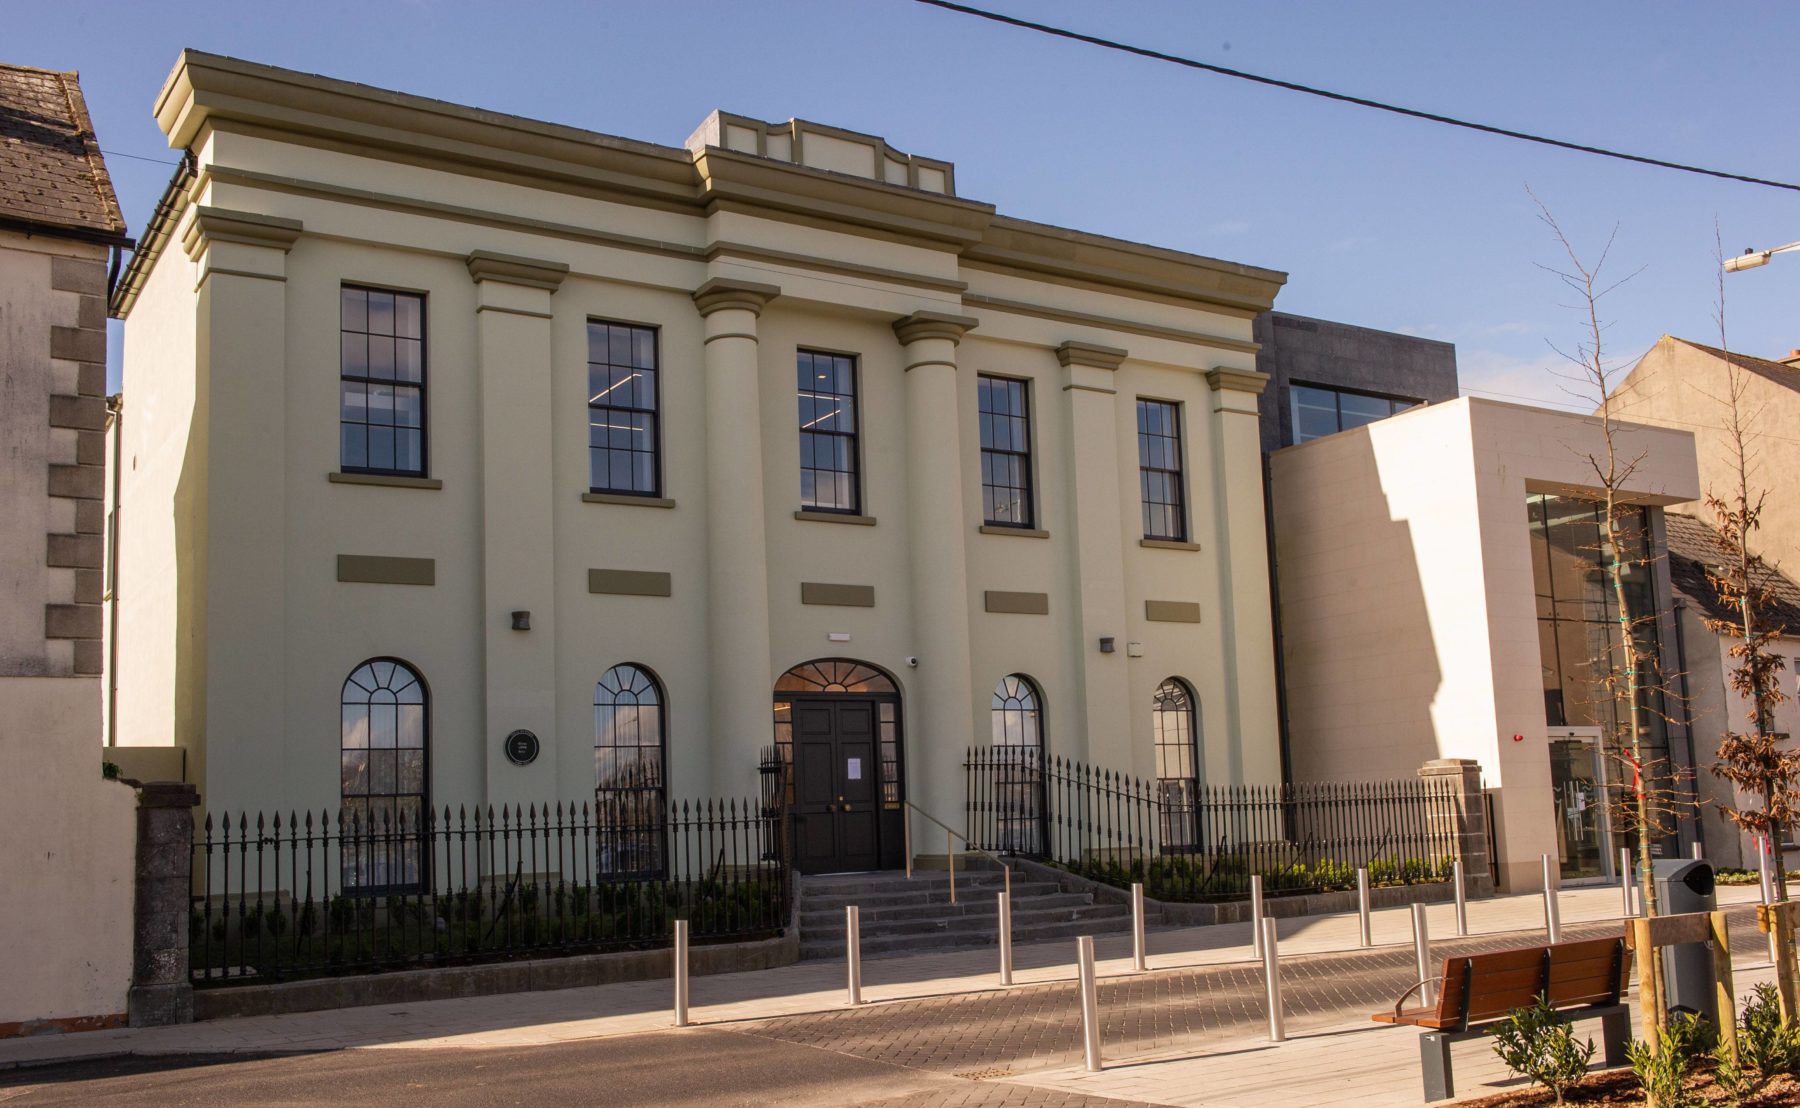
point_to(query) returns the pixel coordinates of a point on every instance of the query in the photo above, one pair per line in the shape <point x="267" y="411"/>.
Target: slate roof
<point x="52" y="176"/>
<point x="1693" y="545"/>
<point x="1785" y="375"/>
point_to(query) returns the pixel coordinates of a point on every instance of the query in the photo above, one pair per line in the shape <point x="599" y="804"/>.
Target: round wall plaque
<point x="521" y="747"/>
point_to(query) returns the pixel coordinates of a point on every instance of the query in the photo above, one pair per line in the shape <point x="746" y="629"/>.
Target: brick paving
<point x="1038" y="1026"/>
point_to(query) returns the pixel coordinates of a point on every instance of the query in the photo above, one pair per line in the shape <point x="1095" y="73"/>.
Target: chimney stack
<point x="1793" y="359"/>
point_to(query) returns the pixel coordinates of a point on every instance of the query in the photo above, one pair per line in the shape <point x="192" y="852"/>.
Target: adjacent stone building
<point x="67" y="863"/>
<point x="447" y="426"/>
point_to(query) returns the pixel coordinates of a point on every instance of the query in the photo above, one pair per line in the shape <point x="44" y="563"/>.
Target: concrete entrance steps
<point x="902" y="916"/>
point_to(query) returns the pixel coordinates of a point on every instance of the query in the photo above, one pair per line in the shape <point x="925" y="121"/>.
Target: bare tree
<point x="1750" y="760"/>
<point x="1651" y="799"/>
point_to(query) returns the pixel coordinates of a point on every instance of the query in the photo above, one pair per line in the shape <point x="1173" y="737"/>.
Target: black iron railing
<point x="1191" y="843"/>
<point x="310" y="894"/>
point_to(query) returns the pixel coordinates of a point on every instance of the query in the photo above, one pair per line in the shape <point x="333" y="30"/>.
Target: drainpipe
<point x="1687" y="721"/>
<point x="115" y="410"/>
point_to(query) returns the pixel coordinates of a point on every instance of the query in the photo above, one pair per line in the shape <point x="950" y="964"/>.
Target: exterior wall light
<point x="1106" y="645"/>
<point x="521" y="621"/>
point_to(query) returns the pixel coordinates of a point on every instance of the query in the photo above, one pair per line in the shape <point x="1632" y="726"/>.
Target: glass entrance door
<point x="1583" y="827"/>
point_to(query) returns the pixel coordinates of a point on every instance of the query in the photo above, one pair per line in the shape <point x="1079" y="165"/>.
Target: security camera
<point x="912" y="661"/>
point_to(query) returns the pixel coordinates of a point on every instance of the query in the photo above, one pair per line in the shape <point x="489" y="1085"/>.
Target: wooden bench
<point x="1582" y="980"/>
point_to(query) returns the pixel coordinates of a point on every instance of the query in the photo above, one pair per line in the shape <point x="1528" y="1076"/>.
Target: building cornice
<point x="721" y="293"/>
<point x="207" y="91"/>
<point x="485" y="265"/>
<point x="933" y="325"/>
<point x="210" y="225"/>
<point x="1091" y="355"/>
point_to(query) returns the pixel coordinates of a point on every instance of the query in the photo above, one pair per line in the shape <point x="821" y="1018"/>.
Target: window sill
<point x="1168" y="544"/>
<point x="620" y="498"/>
<point x="835" y="517"/>
<point x="390" y="480"/>
<point x="1016" y="532"/>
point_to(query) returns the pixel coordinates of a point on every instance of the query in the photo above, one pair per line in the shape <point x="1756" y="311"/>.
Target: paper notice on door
<point x="853" y="770"/>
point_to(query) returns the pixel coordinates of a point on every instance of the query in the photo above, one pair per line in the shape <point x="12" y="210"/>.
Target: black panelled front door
<point x="836" y="786"/>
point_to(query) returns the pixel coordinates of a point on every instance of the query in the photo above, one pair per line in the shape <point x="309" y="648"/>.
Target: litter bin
<point x="1686" y="885"/>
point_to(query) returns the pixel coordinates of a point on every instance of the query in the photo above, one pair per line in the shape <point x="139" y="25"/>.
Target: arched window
<point x="1177" y="764"/>
<point x="384" y="735"/>
<point x="630" y="787"/>
<point x="1018" y="778"/>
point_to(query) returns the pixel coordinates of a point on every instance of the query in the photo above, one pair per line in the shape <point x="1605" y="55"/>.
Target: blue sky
<point x="1379" y="221"/>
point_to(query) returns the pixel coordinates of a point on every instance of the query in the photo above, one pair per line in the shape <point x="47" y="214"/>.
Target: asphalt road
<point x="697" y="1066"/>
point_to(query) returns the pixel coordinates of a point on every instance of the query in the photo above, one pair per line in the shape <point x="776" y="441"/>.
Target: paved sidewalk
<point x="732" y="1001"/>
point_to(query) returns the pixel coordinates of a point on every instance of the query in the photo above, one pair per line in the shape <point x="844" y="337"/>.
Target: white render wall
<point x="276" y="633"/>
<point x="1407" y="596"/>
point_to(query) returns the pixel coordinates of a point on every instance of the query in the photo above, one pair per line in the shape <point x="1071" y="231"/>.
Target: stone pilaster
<point x="737" y="572"/>
<point x="1465" y="820"/>
<point x="1091" y="406"/>
<point x="1254" y="754"/>
<point x="940" y="717"/>
<point x="228" y="708"/>
<point x="161" y="992"/>
<point x="513" y="360"/>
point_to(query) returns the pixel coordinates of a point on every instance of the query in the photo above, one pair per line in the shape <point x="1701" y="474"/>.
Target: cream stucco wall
<point x="1677" y="385"/>
<point x="69" y="859"/>
<point x="1407" y="595"/>
<point x="236" y="433"/>
<point x="1714" y="707"/>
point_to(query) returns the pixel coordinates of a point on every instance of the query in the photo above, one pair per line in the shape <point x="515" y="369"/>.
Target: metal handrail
<point x="951" y="834"/>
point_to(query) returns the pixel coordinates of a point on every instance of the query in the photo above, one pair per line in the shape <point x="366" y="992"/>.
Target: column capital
<point x="1223" y="379"/>
<point x="485" y="265"/>
<point x="933" y="325"/>
<point x="720" y="293"/>
<point x="211" y="225"/>
<point x="1091" y="355"/>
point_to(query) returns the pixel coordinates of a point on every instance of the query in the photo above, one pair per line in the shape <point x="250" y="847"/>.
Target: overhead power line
<point x="1345" y="98"/>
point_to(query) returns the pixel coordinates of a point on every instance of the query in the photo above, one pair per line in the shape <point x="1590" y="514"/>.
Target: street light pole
<point x="1750" y="259"/>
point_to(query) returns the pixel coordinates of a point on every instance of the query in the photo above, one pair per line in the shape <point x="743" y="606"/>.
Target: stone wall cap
<point x="168" y="794"/>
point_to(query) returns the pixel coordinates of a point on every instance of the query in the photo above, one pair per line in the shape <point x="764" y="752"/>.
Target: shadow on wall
<point x="1359" y="647"/>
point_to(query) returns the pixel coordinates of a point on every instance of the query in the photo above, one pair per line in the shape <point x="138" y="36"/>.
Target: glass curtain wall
<point x="1580" y="648"/>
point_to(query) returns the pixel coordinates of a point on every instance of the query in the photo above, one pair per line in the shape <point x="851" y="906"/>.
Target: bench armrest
<point x="1401" y="1003"/>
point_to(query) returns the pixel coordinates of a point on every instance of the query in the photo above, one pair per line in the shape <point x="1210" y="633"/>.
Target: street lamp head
<point x="1749" y="259"/>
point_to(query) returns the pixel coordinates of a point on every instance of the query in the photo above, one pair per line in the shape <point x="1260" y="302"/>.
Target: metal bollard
<point x="1090" y="1001"/>
<point x="1006" y="938"/>
<point x="1422" y="954"/>
<point x="1137" y="927"/>
<point x="1462" y="899"/>
<point x="1271" y="961"/>
<point x="1767" y="879"/>
<point x="1552" y="913"/>
<point x="681" y="973"/>
<point x="1625" y="879"/>
<point x="853" y="951"/>
<point x="1362" y="905"/>
<point x="1256" y="915"/>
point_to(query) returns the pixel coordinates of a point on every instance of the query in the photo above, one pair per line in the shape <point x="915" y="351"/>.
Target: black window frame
<point x="1178" y="441"/>
<point x="632" y="808"/>
<point x="1396" y="405"/>
<point x="1179" y="796"/>
<point x="366" y="379"/>
<point x="654" y="412"/>
<point x="854" y="436"/>
<point x="1027" y="490"/>
<point x="367" y="843"/>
